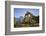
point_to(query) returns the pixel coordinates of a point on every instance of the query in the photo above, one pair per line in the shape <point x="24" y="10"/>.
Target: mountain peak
<point x="28" y="13"/>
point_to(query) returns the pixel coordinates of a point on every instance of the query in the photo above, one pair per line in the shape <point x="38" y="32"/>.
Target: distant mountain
<point x="20" y="19"/>
<point x="17" y="19"/>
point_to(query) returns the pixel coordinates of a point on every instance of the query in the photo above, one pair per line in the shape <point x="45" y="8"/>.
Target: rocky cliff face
<point x="28" y="18"/>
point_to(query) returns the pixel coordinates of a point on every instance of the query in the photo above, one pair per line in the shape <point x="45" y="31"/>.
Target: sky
<point x="22" y="11"/>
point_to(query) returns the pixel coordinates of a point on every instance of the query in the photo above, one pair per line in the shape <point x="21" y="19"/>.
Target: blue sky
<point x="22" y="11"/>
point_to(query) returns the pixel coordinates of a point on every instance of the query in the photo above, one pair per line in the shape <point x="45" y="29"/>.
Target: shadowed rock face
<point x="28" y="18"/>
